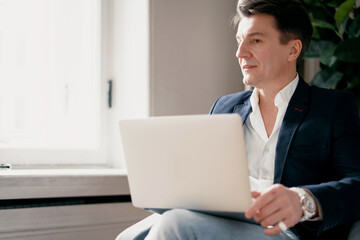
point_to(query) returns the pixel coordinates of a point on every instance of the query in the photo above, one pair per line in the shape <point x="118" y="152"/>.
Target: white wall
<point x="128" y="67"/>
<point x="169" y="57"/>
<point x="192" y="55"/>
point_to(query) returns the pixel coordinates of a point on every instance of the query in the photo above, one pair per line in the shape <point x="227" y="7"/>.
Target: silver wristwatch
<point x="307" y="203"/>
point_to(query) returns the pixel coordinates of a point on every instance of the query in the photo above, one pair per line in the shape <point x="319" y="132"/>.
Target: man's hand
<point x="276" y="203"/>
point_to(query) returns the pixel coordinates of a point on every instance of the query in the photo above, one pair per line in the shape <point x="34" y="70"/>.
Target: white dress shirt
<point x="259" y="147"/>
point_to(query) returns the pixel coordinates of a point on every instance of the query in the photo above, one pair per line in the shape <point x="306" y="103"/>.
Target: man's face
<point x="262" y="58"/>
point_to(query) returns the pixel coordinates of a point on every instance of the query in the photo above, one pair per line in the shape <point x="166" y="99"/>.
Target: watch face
<point x="310" y="204"/>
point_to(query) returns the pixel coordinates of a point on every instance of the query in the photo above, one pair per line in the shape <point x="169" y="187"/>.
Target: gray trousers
<point x="184" y="224"/>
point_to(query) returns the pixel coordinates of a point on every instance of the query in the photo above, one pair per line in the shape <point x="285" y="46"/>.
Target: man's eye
<point x="256" y="40"/>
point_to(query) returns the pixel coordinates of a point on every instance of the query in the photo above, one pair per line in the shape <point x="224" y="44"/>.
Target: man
<point x="303" y="142"/>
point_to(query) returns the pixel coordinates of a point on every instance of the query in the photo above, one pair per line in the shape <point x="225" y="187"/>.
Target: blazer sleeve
<point x="340" y="198"/>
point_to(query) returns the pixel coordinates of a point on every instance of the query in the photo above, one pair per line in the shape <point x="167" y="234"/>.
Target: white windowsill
<point x="48" y="183"/>
<point x="63" y="172"/>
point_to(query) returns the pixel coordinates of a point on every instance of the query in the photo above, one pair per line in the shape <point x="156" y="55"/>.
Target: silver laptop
<point x="195" y="162"/>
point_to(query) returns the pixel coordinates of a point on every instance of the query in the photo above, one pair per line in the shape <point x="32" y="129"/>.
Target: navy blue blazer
<point x="319" y="149"/>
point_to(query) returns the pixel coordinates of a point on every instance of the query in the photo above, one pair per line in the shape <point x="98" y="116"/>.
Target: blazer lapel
<point x="243" y="109"/>
<point x="297" y="108"/>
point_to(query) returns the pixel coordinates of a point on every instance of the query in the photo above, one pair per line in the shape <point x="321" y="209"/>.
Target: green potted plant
<point x="336" y="42"/>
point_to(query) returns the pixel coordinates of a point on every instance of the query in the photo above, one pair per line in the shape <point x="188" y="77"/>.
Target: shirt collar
<point x="282" y="97"/>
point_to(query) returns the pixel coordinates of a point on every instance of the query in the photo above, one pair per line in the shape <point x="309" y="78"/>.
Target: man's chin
<point x="247" y="82"/>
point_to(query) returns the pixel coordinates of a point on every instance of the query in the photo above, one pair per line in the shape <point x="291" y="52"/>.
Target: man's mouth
<point x="248" y="67"/>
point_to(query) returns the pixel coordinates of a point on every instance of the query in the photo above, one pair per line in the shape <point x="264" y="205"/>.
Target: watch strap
<point x="305" y="200"/>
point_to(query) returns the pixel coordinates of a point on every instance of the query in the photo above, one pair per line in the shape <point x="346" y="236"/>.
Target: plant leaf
<point x="343" y="11"/>
<point x="312" y="2"/>
<point x="334" y="3"/>
<point x="315" y="34"/>
<point x="354" y="83"/>
<point x="327" y="78"/>
<point x="348" y="50"/>
<point x="342" y="26"/>
<point x="317" y="47"/>
<point x="327" y="57"/>
<point x="322" y="24"/>
<point x="354" y="30"/>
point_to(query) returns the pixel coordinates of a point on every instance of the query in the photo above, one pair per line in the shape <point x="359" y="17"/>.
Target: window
<point x="56" y="59"/>
<point x="50" y="88"/>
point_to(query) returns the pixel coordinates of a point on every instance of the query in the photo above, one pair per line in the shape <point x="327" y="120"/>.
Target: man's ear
<point x="295" y="50"/>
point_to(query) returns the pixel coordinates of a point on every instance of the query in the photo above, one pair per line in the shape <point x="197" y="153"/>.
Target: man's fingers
<point x="273" y="218"/>
<point x="262" y="200"/>
<point x="278" y="228"/>
<point x="275" y="204"/>
<point x="272" y="213"/>
<point x="255" y="194"/>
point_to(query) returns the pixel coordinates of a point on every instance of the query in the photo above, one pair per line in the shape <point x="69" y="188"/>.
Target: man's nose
<point x="242" y="51"/>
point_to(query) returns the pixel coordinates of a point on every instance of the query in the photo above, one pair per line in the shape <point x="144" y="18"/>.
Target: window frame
<point x="113" y="57"/>
<point x="40" y="158"/>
